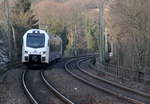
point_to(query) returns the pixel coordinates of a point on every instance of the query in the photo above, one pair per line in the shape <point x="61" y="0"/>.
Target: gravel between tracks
<point x="11" y="91"/>
<point x="76" y="90"/>
<point x="39" y="90"/>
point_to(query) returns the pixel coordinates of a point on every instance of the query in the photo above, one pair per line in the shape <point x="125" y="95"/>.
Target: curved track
<point x="127" y="94"/>
<point x="62" y="97"/>
<point x="36" y="96"/>
<point x="26" y="89"/>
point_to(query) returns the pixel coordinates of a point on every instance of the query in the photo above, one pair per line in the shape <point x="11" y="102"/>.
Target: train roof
<point x="42" y="32"/>
<point x="36" y="31"/>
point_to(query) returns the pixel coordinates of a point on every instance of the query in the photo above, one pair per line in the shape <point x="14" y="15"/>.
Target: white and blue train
<point x="40" y="47"/>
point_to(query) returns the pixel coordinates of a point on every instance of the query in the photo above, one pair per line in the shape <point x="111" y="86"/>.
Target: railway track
<point x="54" y="90"/>
<point x="43" y="92"/>
<point x="26" y="89"/>
<point x="122" y="92"/>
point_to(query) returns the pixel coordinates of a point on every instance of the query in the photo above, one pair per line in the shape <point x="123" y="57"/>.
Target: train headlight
<point x="26" y="52"/>
<point x="44" y="52"/>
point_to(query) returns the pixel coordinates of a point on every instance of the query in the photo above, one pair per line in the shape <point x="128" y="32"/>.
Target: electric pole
<point x="101" y="30"/>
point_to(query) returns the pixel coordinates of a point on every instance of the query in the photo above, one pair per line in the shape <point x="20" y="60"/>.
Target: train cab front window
<point x="35" y="40"/>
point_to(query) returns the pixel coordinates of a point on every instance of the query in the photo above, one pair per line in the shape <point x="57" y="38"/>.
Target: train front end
<point x="35" y="49"/>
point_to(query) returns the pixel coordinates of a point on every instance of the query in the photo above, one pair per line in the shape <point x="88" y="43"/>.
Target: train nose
<point x="35" y="58"/>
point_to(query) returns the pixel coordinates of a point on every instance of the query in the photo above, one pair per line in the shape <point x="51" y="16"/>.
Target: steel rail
<point x="115" y="84"/>
<point x="29" y="95"/>
<point x="55" y="91"/>
<point x="69" y="64"/>
<point x="128" y="90"/>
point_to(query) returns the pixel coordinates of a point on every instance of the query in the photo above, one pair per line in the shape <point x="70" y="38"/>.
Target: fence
<point x="121" y="72"/>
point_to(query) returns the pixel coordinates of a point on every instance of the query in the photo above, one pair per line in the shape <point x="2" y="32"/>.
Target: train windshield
<point x="35" y="40"/>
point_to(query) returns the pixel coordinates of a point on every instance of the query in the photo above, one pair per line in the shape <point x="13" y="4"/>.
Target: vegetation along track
<point x="130" y="95"/>
<point x="36" y="96"/>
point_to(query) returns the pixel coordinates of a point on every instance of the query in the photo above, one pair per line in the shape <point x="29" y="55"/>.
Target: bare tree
<point x="127" y="22"/>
